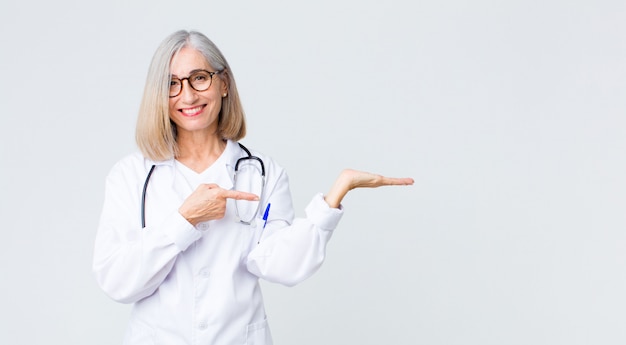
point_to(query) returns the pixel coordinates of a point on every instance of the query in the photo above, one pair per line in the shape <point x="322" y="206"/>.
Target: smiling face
<point x="191" y="110"/>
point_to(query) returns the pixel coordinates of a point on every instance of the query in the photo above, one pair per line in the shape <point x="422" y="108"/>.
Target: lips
<point x="192" y="111"/>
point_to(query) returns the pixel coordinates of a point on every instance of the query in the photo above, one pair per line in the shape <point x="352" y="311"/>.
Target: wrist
<point x="192" y="220"/>
<point x="336" y="193"/>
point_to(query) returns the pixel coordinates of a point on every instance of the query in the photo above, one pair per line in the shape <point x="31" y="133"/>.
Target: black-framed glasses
<point x="199" y="80"/>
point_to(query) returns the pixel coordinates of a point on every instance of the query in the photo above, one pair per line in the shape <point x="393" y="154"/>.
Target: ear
<point x="224" y="78"/>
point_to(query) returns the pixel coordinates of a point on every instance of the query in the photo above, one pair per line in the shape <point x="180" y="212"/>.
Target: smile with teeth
<point x="192" y="111"/>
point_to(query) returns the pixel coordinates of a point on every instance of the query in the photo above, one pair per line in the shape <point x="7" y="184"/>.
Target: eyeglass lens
<point x="199" y="81"/>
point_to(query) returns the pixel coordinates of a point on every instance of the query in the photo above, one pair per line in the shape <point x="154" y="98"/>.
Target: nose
<point x="187" y="94"/>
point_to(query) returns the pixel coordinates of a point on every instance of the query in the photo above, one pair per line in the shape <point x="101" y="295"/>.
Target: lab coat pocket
<point x="258" y="333"/>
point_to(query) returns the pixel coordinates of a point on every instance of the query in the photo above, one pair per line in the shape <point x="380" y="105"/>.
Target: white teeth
<point x="191" y="111"/>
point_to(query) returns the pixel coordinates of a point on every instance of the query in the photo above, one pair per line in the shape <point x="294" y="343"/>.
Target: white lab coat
<point x="200" y="285"/>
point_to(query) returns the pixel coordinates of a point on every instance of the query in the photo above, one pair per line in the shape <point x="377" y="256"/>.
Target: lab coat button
<point x="203" y="226"/>
<point x="203" y="325"/>
<point x="205" y="273"/>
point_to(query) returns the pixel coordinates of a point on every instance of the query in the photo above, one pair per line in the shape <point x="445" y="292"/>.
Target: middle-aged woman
<point x="184" y="234"/>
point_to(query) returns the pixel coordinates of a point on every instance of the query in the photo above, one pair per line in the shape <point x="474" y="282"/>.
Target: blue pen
<point x="267" y="212"/>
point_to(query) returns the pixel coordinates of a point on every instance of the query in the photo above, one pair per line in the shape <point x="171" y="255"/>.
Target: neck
<point x="198" y="150"/>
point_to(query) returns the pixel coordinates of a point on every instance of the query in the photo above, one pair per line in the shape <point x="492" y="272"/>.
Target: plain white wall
<point x="508" y="114"/>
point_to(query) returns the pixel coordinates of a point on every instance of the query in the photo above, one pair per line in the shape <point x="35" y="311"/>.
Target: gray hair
<point x="156" y="133"/>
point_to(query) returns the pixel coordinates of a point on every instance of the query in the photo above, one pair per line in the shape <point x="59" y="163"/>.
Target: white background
<point x="508" y="114"/>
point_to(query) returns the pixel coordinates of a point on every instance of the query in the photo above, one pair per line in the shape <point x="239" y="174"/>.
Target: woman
<point x="191" y="262"/>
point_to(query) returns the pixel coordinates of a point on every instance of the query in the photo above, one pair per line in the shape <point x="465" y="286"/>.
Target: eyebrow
<point x="192" y="72"/>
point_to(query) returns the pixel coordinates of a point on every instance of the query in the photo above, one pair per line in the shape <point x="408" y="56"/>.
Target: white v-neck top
<point x="193" y="178"/>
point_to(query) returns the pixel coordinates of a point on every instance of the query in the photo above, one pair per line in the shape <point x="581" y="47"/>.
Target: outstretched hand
<point x="361" y="179"/>
<point x="350" y="179"/>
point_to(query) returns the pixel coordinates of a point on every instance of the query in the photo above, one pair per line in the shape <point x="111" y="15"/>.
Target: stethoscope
<point x="244" y="221"/>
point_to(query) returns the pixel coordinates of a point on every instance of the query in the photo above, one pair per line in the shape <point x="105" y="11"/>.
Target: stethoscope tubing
<point x="143" y="197"/>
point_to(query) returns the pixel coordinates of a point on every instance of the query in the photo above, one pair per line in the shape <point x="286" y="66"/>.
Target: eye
<point x="201" y="77"/>
<point x="174" y="82"/>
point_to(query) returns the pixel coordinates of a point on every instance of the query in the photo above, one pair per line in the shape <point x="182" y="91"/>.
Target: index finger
<point x="395" y="181"/>
<point x="237" y="195"/>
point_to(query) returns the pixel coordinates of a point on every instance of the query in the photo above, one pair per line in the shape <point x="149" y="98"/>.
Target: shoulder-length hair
<point x="156" y="133"/>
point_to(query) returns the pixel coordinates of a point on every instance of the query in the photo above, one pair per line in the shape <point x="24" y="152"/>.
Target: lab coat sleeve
<point x="130" y="262"/>
<point x="293" y="253"/>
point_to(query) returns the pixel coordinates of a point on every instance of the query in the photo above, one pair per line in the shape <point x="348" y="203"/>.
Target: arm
<point x="291" y="254"/>
<point x="130" y="262"/>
